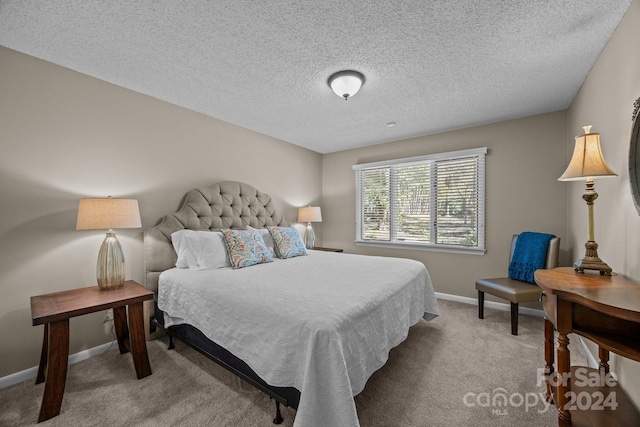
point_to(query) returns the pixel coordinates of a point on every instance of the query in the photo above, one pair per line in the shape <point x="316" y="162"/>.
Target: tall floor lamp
<point x="587" y="163"/>
<point x="109" y="213"/>
<point x="309" y="214"/>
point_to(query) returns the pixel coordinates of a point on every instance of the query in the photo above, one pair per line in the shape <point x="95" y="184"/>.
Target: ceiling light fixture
<point x="346" y="83"/>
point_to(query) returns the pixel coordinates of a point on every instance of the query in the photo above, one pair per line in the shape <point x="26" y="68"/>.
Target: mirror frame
<point x="634" y="155"/>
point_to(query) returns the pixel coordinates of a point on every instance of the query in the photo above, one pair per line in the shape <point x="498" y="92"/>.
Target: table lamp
<point x="309" y="214"/>
<point x="109" y="213"/>
<point x="587" y="163"/>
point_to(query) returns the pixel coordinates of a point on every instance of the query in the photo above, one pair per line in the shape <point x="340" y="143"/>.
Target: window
<point x="433" y="202"/>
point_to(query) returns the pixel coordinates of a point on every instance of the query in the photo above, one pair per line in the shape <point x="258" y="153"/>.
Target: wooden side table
<point x="605" y="310"/>
<point x="54" y="311"/>
<point x="320" y="248"/>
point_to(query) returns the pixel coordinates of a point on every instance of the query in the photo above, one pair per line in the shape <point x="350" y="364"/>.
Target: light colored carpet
<point x="424" y="383"/>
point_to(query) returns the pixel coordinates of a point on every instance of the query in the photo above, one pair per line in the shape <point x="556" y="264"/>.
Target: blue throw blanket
<point x="529" y="255"/>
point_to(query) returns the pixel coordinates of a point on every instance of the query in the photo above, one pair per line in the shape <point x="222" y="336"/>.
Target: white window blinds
<point x="429" y="202"/>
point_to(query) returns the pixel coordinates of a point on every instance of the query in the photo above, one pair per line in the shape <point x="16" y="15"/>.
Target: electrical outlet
<point x="108" y="316"/>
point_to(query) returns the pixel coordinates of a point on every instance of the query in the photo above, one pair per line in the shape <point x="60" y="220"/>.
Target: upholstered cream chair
<point x="515" y="291"/>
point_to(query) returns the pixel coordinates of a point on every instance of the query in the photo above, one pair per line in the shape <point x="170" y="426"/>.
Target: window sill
<point x="424" y="247"/>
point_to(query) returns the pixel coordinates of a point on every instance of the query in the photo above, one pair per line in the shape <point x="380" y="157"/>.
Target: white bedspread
<point x="322" y="323"/>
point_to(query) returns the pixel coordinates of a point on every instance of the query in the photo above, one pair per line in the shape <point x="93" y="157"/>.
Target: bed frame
<point x="227" y="204"/>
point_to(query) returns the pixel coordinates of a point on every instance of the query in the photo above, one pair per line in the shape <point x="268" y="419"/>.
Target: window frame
<point x="478" y="153"/>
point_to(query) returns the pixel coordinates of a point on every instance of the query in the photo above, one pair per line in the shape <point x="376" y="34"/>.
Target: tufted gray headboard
<point x="227" y="204"/>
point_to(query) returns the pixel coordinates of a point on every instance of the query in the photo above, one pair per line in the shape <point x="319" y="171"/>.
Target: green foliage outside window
<point x="426" y="202"/>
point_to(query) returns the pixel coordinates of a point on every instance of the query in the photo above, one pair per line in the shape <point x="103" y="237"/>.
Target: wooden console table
<point x="54" y="311"/>
<point x="605" y="310"/>
<point x="319" y="248"/>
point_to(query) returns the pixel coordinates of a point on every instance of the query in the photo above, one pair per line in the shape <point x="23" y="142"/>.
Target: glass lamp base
<point x="110" y="267"/>
<point x="309" y="237"/>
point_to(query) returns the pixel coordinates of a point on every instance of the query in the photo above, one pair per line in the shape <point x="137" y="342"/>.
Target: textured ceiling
<point x="430" y="66"/>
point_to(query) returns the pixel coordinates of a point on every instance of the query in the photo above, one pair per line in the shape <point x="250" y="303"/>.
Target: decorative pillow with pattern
<point x="266" y="236"/>
<point x="245" y="248"/>
<point x="287" y="242"/>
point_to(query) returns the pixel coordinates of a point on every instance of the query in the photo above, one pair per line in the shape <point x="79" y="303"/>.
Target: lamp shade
<point x="309" y="214"/>
<point x="587" y="160"/>
<point x="108" y="213"/>
<point x="346" y="83"/>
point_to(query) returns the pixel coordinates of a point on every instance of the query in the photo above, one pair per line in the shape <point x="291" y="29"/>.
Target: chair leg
<point x="514" y="318"/>
<point x="480" y="305"/>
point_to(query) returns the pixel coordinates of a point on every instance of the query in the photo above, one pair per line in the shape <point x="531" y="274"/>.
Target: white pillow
<point x="214" y="251"/>
<point x="186" y="247"/>
<point x="200" y="250"/>
<point x="268" y="240"/>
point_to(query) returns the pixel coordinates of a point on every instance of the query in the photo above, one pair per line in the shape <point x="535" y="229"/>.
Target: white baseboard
<point x="591" y="359"/>
<point x="27" y="374"/>
<point x="491" y="304"/>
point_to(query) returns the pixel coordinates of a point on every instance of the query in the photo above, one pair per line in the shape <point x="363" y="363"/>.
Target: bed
<point x="307" y="329"/>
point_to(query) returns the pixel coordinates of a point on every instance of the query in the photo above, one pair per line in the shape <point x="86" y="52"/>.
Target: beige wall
<point x="64" y="136"/>
<point x="606" y="102"/>
<point x="524" y="159"/>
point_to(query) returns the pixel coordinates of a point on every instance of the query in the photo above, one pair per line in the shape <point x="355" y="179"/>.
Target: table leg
<point x="56" y="370"/>
<point x="43" y="356"/>
<point x="564" y="378"/>
<point x="138" y="343"/>
<point x="122" y="330"/>
<point x="549" y="359"/>
<point x="603" y="355"/>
